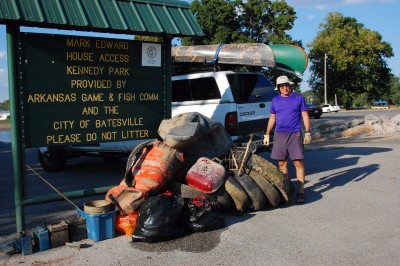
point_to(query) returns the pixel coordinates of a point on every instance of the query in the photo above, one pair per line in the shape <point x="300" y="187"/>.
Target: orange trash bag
<point x="126" y="224"/>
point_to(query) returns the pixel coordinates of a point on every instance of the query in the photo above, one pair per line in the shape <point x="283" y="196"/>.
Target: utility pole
<point x="325" y="90"/>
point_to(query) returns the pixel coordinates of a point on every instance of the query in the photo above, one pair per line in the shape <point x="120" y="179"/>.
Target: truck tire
<point x="253" y="190"/>
<point x="237" y="193"/>
<point x="53" y="160"/>
<point x="271" y="193"/>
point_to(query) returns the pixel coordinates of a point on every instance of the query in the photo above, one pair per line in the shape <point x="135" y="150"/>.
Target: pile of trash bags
<point x="184" y="180"/>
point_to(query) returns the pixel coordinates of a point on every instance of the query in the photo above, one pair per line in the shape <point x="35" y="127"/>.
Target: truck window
<point x="181" y="91"/>
<point x="195" y="89"/>
<point x="251" y="87"/>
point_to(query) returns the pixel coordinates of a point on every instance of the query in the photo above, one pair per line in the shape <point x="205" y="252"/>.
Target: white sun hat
<point x="282" y="80"/>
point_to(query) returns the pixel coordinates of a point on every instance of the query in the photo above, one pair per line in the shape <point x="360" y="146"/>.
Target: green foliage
<point x="266" y="21"/>
<point x="5" y="105"/>
<point x="148" y="38"/>
<point x="361" y="100"/>
<point x="311" y="97"/>
<point x="394" y="91"/>
<point x="261" y="21"/>
<point x="217" y="19"/>
<point x="355" y="61"/>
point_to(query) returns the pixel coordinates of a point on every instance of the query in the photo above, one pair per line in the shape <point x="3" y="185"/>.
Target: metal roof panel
<point x="149" y="18"/>
<point x="9" y="10"/>
<point x="113" y="14"/>
<point x="74" y="13"/>
<point x="131" y="16"/>
<point x="95" y="14"/>
<point x="167" y="17"/>
<point x="52" y="11"/>
<point x="31" y="10"/>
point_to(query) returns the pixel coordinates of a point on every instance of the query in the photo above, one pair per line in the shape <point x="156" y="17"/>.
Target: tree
<point x="394" y="91"/>
<point x="261" y="21"/>
<point x="6" y="105"/>
<point x="144" y="38"/>
<point x="266" y="21"/>
<point x="355" y="60"/>
<point x="217" y="18"/>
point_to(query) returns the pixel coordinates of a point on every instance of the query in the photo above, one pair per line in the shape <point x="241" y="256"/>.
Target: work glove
<point x="307" y="138"/>
<point x="266" y="140"/>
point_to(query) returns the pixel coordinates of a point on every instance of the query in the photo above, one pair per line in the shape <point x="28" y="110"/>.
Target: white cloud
<point x="322" y="6"/>
<point x="356" y="2"/>
<point x="3" y="54"/>
<point x="3" y="85"/>
<point x="311" y="17"/>
<point x="326" y="4"/>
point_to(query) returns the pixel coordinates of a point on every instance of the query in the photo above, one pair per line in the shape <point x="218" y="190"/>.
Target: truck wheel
<point x="53" y="160"/>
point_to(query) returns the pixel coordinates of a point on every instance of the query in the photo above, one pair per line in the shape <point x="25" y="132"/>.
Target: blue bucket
<point x="99" y="226"/>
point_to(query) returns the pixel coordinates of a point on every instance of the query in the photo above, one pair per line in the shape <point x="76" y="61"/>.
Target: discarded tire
<point x="224" y="201"/>
<point x="272" y="174"/>
<point x="184" y="190"/>
<point x="237" y="193"/>
<point x="270" y="192"/>
<point x="253" y="191"/>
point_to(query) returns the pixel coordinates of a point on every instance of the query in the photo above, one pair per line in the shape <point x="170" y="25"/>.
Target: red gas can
<point x="206" y="175"/>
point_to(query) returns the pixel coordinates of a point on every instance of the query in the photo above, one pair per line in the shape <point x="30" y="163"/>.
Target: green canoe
<point x="289" y="58"/>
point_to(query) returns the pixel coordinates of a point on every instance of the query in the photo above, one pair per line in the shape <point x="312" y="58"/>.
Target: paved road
<point x="352" y="215"/>
<point x="359" y="114"/>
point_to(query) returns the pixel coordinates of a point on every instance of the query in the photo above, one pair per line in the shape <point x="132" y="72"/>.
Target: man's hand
<point x="266" y="140"/>
<point x="307" y="138"/>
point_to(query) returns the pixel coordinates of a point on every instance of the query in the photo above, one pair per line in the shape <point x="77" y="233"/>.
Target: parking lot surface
<point x="351" y="215"/>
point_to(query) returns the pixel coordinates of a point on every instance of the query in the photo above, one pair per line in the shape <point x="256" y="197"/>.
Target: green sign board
<point x="83" y="90"/>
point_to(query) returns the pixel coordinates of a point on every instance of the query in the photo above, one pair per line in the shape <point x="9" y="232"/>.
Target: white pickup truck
<point x="327" y="108"/>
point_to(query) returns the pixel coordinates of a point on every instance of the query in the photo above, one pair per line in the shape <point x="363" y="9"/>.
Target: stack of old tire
<point x="259" y="184"/>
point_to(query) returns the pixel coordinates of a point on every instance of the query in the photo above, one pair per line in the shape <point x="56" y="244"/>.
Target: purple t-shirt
<point x="288" y="112"/>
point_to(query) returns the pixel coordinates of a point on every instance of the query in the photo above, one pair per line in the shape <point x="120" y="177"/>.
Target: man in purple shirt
<point x="287" y="111"/>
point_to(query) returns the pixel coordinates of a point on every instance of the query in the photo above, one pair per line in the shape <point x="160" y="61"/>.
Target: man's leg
<point x="300" y="175"/>
<point x="283" y="167"/>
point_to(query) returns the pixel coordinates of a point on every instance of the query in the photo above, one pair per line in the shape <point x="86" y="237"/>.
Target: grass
<point x="357" y="131"/>
<point x="4" y="124"/>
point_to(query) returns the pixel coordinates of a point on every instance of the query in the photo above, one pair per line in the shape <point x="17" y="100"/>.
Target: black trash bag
<point x="160" y="219"/>
<point x="202" y="214"/>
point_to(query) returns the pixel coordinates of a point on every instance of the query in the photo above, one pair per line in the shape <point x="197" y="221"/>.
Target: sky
<point x="377" y="15"/>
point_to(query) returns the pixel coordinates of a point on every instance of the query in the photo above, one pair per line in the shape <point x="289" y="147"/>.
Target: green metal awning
<point x="155" y="17"/>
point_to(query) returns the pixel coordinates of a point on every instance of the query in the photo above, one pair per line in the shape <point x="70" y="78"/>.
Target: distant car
<point x="314" y="111"/>
<point x="4" y="115"/>
<point x="327" y="108"/>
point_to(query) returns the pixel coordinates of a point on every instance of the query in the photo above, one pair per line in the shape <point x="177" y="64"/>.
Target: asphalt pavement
<point x="351" y="216"/>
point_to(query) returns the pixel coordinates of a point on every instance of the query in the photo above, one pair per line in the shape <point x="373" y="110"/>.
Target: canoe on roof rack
<point x="289" y="58"/>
